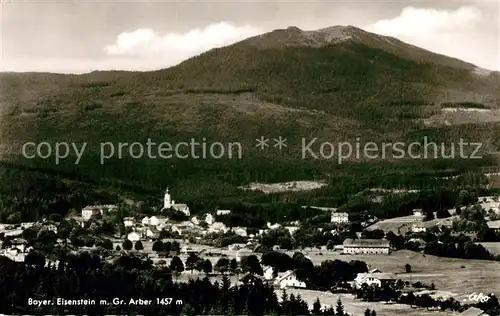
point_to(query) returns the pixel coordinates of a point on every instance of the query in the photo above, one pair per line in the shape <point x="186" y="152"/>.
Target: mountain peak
<point x="293" y="29"/>
<point x="293" y="36"/>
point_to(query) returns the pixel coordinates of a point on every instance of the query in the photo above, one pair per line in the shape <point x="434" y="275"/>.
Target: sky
<point x="80" y="36"/>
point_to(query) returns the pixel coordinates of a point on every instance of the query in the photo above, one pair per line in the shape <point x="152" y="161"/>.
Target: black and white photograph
<point x="239" y="157"/>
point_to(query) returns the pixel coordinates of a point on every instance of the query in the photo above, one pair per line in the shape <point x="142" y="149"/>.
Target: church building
<point x="168" y="203"/>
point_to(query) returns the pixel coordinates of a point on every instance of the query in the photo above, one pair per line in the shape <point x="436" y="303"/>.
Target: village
<point x="187" y="246"/>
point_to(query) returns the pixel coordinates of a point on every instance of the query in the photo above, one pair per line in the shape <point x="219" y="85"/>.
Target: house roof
<point x="340" y="214"/>
<point x="285" y="275"/>
<point x="372" y="243"/>
<point x="377" y="275"/>
<point x="493" y="224"/>
<point x="474" y="311"/>
<point x="179" y="205"/>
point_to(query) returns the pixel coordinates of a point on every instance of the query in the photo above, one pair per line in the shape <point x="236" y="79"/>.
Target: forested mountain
<point x="335" y="84"/>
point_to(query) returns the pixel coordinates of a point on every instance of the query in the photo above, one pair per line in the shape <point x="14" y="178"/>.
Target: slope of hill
<point x="336" y="84"/>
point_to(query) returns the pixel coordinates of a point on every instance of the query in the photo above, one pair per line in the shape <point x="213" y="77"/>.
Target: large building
<point x="366" y="246"/>
<point x="92" y="210"/>
<point x="88" y="212"/>
<point x="223" y="212"/>
<point x="418" y="212"/>
<point x="340" y="218"/>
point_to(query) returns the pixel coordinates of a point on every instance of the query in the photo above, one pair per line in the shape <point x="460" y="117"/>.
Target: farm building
<point x="289" y="279"/>
<point x="366" y="246"/>
<point x="376" y="279"/>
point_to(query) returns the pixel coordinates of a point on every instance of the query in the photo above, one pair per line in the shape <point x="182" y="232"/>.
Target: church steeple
<point x="167" y="202"/>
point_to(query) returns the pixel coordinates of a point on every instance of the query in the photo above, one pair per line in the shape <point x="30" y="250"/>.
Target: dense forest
<point x="29" y="193"/>
<point x="84" y="276"/>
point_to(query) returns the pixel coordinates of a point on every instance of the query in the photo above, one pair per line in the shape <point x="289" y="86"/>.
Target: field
<point x="357" y="307"/>
<point x="400" y="225"/>
<point x="293" y="186"/>
<point x="395" y="224"/>
<point x="446" y="273"/>
<point x="459" y="277"/>
<point x="454" y="116"/>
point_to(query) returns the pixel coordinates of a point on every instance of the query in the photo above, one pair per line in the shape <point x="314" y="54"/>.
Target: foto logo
<point x="478" y="297"/>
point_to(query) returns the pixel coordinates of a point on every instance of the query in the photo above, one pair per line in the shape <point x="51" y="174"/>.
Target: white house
<point x="417" y="228"/>
<point x="418" y="212"/>
<point x="25" y="225"/>
<point x="152" y="233"/>
<point x="134" y="236"/>
<point x="195" y="220"/>
<point x="339" y="218"/>
<point x="88" y="212"/>
<point x="157" y="220"/>
<point x="209" y="219"/>
<point x="168" y="203"/>
<point x="376" y="279"/>
<point x="223" y="212"/>
<point x="291" y="229"/>
<point x="273" y="226"/>
<point x="240" y="231"/>
<point x="268" y="273"/>
<point x="289" y="279"/>
<point x="218" y="227"/>
<point x="129" y="221"/>
<point x="366" y="246"/>
<point x="145" y="221"/>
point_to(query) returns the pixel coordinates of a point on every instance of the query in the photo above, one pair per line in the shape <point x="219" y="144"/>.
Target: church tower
<point x="167" y="202"/>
